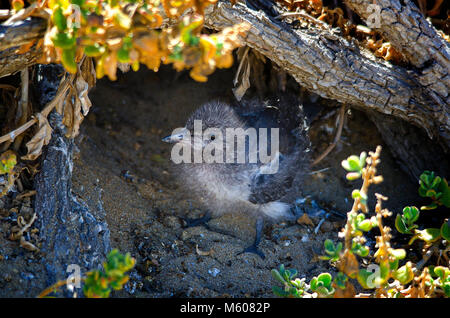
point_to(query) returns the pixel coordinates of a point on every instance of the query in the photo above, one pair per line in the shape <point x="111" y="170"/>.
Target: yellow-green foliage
<point x="386" y="276"/>
<point x="99" y="283"/>
<point x="132" y="32"/>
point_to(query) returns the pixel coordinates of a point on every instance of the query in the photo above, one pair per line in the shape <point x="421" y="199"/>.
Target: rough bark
<point x="12" y="37"/>
<point x="70" y="233"/>
<point x="410" y="33"/>
<point x="411" y="146"/>
<point x="21" y="32"/>
<point x="336" y="68"/>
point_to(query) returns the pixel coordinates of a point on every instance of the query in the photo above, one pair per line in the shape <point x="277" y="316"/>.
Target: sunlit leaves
<point x="332" y="251"/>
<point x="429" y="235"/>
<point x="445" y="230"/>
<point x="404" y="274"/>
<point x="98" y="284"/>
<point x="443" y="274"/>
<point x="435" y="188"/>
<point x="7" y="162"/>
<point x="322" y="285"/>
<point x="17" y="4"/>
<point x="404" y="223"/>
<point x="124" y="31"/>
<point x="292" y="287"/>
<point x="354" y="165"/>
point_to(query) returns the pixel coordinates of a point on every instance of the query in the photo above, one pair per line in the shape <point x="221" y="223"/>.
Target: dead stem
<point x="22" y="110"/>
<point x="336" y="138"/>
<point x="59" y="98"/>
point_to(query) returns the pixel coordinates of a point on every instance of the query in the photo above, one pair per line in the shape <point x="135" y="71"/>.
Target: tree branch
<point x="335" y="68"/>
<point x="324" y="62"/>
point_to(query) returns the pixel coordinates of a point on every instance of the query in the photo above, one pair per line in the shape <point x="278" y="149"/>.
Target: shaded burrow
<point x="126" y="198"/>
<point x="122" y="160"/>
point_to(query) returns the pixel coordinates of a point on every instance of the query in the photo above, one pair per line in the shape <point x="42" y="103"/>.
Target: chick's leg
<point x="188" y="222"/>
<point x="254" y="247"/>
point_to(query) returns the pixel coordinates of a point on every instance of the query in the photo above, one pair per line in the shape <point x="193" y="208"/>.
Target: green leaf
<point x="400" y="225"/>
<point x="445" y="199"/>
<point x="276" y="274"/>
<point x="325" y="279"/>
<point x="428" y="235"/>
<point x="340" y="280"/>
<point x="329" y="246"/>
<point x="363" y="251"/>
<point x="411" y="214"/>
<point x="353" y="176"/>
<point x="365" y="226"/>
<point x="445" y="230"/>
<point x="431" y="206"/>
<point x="345" y="165"/>
<point x="404" y="274"/>
<point x="123" y="55"/>
<point x="353" y="162"/>
<point x="362" y="159"/>
<point x="430" y="193"/>
<point x="279" y="291"/>
<point x="64" y="40"/>
<point x="446" y="289"/>
<point x="393" y="265"/>
<point x="364" y="279"/>
<point x="442" y="272"/>
<point x="59" y="19"/>
<point x="68" y="60"/>
<point x="422" y="191"/>
<point x="436" y="182"/>
<point x="398" y="253"/>
<point x="94" y="50"/>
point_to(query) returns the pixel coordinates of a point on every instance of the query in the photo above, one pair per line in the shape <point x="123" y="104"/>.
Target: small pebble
<point x="213" y="272"/>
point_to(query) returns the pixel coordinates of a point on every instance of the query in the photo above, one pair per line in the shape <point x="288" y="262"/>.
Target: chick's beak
<point x="175" y="137"/>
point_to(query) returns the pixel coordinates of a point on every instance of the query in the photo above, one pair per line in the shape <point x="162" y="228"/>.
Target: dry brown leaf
<point x="72" y="114"/>
<point x="82" y="88"/>
<point x="305" y="219"/>
<point x="347" y="292"/>
<point x="27" y="245"/>
<point x="348" y="264"/>
<point x="25" y="48"/>
<point x="203" y="253"/>
<point x="40" y="139"/>
<point x="244" y="83"/>
<point x="77" y="102"/>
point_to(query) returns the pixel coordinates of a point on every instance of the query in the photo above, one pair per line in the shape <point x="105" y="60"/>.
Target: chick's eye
<point x="213" y="137"/>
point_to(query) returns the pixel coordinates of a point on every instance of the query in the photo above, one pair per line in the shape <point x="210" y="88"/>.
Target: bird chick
<point x="246" y="159"/>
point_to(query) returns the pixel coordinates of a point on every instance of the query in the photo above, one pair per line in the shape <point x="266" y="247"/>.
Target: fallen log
<point x="323" y="61"/>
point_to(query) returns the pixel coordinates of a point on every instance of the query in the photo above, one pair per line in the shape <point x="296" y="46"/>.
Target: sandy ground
<point x="122" y="172"/>
<point x="122" y="149"/>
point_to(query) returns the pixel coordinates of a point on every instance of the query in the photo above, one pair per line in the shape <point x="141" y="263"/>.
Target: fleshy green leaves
<point x="7" y="162"/>
<point x="296" y="287"/>
<point x="362" y="224"/>
<point x="98" y="284"/>
<point x="404" y="223"/>
<point x="404" y="274"/>
<point x="429" y="235"/>
<point x="359" y="249"/>
<point x="435" y="188"/>
<point x="354" y="166"/>
<point x="332" y="251"/>
<point x="114" y="32"/>
<point x="292" y="287"/>
<point x="322" y="285"/>
<point x="445" y="230"/>
<point x="443" y="274"/>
